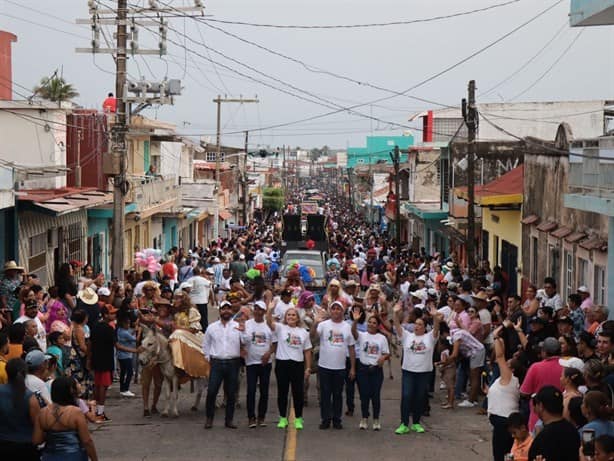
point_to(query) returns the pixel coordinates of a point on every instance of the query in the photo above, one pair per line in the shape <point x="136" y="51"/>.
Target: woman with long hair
<point x="67" y="288"/>
<point x="571" y="380"/>
<point x="597" y="408"/>
<point x="292" y="363"/>
<point x="62" y="426"/>
<point x="19" y="409"/>
<point x="77" y="357"/>
<point x="531" y="303"/>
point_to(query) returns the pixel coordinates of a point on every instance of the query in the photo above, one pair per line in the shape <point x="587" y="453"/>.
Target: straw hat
<point x="12" y="266"/>
<point x="88" y="296"/>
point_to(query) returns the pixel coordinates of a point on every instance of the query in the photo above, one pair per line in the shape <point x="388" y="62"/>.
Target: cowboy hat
<point x="480" y="296"/>
<point x="88" y="296"/>
<point x="12" y="266"/>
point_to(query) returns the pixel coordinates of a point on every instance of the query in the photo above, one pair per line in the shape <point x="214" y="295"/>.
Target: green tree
<point x="272" y="199"/>
<point x="55" y="89"/>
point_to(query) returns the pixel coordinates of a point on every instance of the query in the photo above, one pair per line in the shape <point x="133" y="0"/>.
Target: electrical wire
<point x="547" y="71"/>
<point x="45" y="26"/>
<point x="368" y="25"/>
<point x="526" y="64"/>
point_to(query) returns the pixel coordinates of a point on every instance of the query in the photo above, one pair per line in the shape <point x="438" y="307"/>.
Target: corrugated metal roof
<point x="66" y="200"/>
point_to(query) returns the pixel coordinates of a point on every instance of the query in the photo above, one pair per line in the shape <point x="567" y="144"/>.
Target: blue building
<point x="378" y="150"/>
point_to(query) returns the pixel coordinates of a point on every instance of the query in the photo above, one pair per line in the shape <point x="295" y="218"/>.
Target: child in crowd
<point x="56" y="342"/>
<point x="447" y="372"/>
<point x="517" y="425"/>
<point x="126" y="348"/>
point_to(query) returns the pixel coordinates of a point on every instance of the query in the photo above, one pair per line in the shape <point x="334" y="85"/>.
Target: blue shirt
<point x="600" y="426"/>
<point x="15" y="424"/>
<point x="125" y="338"/>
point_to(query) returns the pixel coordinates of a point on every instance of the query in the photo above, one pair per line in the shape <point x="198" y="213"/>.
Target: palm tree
<point x="55" y="89"/>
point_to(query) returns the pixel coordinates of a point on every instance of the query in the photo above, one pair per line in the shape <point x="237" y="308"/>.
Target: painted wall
<point x="101" y="226"/>
<point x="508" y="228"/>
<point x="170" y="239"/>
<point x="378" y="148"/>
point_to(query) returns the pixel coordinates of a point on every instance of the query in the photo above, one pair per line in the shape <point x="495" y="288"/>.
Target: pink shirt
<point x="464" y="318"/>
<point x="540" y="374"/>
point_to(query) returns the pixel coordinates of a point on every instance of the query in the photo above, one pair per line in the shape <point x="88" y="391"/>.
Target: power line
<point x="367" y="25"/>
<point x="524" y="66"/>
<point x="44" y="26"/>
<point x="351" y="108"/>
<point x="547" y="71"/>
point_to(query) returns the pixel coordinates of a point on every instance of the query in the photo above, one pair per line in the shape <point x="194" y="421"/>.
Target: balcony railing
<point x="592" y="176"/>
<point x="151" y="191"/>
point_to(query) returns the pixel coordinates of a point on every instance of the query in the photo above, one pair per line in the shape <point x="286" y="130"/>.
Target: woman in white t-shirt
<point x="372" y="348"/>
<point x="292" y="363"/>
<point x="417" y="366"/>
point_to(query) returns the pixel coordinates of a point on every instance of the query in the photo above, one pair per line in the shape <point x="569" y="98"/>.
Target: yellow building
<point x="501" y="202"/>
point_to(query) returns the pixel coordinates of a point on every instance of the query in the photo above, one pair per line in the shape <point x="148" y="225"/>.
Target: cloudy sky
<point x="324" y="70"/>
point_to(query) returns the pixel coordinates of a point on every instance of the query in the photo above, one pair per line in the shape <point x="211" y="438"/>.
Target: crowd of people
<point x="537" y="365"/>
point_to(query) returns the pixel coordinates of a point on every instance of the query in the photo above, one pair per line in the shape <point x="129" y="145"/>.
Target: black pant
<point x="290" y="373"/>
<point x="258" y="375"/>
<point x="226" y="371"/>
<point x="370" y="380"/>
<point x="502" y="441"/>
<point x="350" y="386"/>
<point x="21" y="451"/>
<point x="125" y="374"/>
<point x="331" y="394"/>
<point x="204" y="316"/>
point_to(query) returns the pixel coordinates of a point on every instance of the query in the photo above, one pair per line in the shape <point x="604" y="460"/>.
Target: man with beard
<point x="222" y="347"/>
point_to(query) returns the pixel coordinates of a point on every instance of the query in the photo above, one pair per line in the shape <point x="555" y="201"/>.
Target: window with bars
<point x="74" y="242"/>
<point x="211" y="156"/>
<point x="534" y="259"/>
<point x="599" y="294"/>
<point x="569" y="272"/>
<point x="582" y="272"/>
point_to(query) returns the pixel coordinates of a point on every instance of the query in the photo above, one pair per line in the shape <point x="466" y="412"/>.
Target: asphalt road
<point x="459" y="434"/>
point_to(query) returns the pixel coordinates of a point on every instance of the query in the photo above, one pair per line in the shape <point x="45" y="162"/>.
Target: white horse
<point x="156" y="351"/>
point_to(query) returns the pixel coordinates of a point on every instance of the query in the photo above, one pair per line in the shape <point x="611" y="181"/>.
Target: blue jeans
<point x="370" y="380"/>
<point x="258" y="376"/>
<point x="226" y="371"/>
<point x="462" y="375"/>
<point x="414" y="388"/>
<point x="125" y="374"/>
<point x="350" y="386"/>
<point x="331" y="394"/>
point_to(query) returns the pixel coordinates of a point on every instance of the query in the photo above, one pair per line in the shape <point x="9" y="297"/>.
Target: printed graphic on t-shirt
<point x="335" y="338"/>
<point x="417" y="347"/>
<point x="259" y="339"/>
<point x="294" y="341"/>
<point x="371" y="349"/>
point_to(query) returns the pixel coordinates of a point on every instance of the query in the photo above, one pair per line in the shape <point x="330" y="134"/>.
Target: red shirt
<point x="109" y="105"/>
<point x="310" y="244"/>
<point x="540" y="374"/>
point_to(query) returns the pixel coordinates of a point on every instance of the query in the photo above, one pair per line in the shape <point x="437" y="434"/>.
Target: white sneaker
<point x="376" y="425"/>
<point x="127" y="394"/>
<point x="364" y="424"/>
<point x="467" y="404"/>
<point x="442" y="386"/>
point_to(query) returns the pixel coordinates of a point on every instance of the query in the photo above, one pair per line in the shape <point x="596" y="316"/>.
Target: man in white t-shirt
<point x="31" y="313"/>
<point x="200" y="289"/>
<point x="37" y="374"/>
<point x="335" y="341"/>
<point x="257" y="340"/>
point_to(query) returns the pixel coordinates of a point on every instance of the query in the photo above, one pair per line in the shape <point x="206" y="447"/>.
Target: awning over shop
<point x="561" y="232"/>
<point x="225" y="215"/>
<point x="61" y="201"/>
<point x="547" y="226"/>
<point x="531" y="219"/>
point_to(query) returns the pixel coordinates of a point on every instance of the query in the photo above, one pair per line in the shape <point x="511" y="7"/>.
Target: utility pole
<point x="118" y="146"/>
<point x="371" y="186"/>
<point x="245" y="185"/>
<point x="218" y="154"/>
<point x="78" y="165"/>
<point x="470" y="114"/>
<point x="396" y="160"/>
<point x="148" y="93"/>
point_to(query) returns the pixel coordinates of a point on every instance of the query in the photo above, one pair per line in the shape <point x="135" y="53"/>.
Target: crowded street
<point x="306" y="231"/>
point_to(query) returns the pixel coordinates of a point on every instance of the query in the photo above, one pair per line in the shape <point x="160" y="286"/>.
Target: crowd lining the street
<point x="538" y="366"/>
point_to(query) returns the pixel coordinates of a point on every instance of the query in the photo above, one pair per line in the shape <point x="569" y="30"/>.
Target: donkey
<point x="156" y="351"/>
